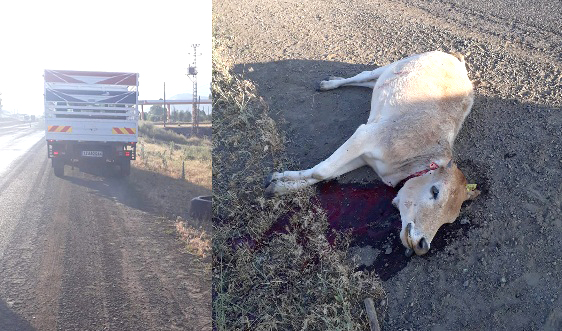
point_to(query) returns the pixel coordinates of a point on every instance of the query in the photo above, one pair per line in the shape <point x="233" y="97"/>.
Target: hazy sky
<point x="152" y="38"/>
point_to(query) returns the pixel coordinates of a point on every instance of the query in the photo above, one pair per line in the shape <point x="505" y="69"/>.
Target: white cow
<point x="418" y="106"/>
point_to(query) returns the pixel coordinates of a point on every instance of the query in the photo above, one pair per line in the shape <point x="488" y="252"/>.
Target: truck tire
<point x="201" y="208"/>
<point x="125" y="167"/>
<point x="58" y="167"/>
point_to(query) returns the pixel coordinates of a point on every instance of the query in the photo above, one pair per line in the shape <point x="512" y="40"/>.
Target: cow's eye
<point x="434" y="192"/>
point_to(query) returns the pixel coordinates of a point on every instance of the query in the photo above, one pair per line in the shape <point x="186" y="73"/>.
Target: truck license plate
<point x="92" y="153"/>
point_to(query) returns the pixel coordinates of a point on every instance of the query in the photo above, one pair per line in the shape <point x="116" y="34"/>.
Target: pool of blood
<point x="365" y="211"/>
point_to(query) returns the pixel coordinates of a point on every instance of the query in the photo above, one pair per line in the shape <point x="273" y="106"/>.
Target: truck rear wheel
<point x="58" y="166"/>
<point x="125" y="168"/>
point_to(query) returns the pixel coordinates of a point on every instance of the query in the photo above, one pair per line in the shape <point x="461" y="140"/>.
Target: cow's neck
<point x="419" y="165"/>
<point x="432" y="166"/>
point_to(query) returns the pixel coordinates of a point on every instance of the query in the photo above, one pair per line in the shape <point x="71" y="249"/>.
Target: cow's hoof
<point x="270" y="190"/>
<point x="267" y="180"/>
<point x="324" y="85"/>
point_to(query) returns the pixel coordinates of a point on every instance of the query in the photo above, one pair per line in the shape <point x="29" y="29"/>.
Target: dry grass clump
<point x="149" y="130"/>
<point x="190" y="160"/>
<point x="197" y="240"/>
<point x="286" y="280"/>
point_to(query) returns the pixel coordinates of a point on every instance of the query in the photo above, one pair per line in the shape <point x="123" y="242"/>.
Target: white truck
<point x="91" y="117"/>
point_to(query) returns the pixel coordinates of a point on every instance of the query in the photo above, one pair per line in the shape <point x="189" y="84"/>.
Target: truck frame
<point x="91" y="117"/>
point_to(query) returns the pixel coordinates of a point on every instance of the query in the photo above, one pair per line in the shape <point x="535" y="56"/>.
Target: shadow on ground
<point x="509" y="148"/>
<point x="9" y="320"/>
<point x="143" y="190"/>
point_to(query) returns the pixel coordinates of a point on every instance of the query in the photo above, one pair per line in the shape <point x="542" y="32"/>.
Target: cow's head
<point x="429" y="201"/>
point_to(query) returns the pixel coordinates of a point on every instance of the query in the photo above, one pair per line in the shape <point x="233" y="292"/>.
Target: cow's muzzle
<point x="420" y="247"/>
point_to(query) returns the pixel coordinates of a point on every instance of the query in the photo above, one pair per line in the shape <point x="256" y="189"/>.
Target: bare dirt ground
<point x="94" y="252"/>
<point x="501" y="268"/>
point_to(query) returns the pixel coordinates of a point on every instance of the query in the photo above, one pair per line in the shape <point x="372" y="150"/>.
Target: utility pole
<point x="165" y="111"/>
<point x="192" y="74"/>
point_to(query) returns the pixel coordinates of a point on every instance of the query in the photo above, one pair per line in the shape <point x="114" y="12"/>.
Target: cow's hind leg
<point x="345" y="159"/>
<point x="364" y="79"/>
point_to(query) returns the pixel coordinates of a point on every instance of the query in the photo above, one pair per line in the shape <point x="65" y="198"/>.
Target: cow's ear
<point x="471" y="192"/>
<point x="395" y="201"/>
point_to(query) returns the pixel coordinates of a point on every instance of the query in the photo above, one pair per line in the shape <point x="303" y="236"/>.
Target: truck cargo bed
<point x="91" y="106"/>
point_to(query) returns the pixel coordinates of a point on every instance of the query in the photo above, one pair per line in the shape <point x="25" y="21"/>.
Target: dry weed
<point x="197" y="241"/>
<point x="292" y="279"/>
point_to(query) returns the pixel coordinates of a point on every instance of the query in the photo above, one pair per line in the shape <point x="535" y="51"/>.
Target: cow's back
<point x="433" y="83"/>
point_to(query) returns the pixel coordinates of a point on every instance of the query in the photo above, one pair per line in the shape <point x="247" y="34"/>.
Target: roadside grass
<point x="186" y="164"/>
<point x="174" y="155"/>
<point x="197" y="240"/>
<point x="292" y="279"/>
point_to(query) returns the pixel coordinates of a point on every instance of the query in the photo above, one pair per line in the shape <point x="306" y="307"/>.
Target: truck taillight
<point x="127" y="153"/>
<point x="55" y="153"/>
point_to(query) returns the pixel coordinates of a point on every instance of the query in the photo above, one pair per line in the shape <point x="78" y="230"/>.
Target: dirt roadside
<point x="500" y="269"/>
<point x="90" y="252"/>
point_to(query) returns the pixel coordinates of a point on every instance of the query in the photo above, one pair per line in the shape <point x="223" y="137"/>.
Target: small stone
<point x="503" y="280"/>
<point x="388" y="250"/>
<point x="465" y="270"/>
<point x="465" y="221"/>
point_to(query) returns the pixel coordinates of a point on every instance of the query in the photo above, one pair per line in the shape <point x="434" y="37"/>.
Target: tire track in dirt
<point x="115" y="265"/>
<point x="53" y="227"/>
<point x="28" y="221"/>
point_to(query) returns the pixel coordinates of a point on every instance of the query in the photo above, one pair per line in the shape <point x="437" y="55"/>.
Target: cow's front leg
<point x="345" y="159"/>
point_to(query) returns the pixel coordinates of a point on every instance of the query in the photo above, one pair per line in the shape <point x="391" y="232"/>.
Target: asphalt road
<point x="88" y="252"/>
<point x="500" y="268"/>
<point x="16" y="138"/>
